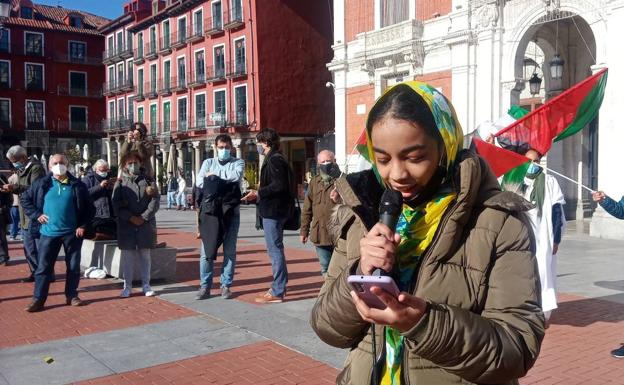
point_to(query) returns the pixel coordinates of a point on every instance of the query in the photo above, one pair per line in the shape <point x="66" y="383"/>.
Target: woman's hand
<point x="402" y="313"/>
<point x="377" y="249"/>
<point x="598" y="196"/>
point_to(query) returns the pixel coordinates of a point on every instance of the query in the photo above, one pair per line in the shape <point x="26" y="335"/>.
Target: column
<point x="109" y="157"/>
<point x="119" y="152"/>
<point x="180" y="156"/>
<point x="197" y="148"/>
<point x="236" y="143"/>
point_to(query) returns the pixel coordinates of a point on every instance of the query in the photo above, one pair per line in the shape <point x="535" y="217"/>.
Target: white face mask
<point x="59" y="169"/>
<point x="102" y="174"/>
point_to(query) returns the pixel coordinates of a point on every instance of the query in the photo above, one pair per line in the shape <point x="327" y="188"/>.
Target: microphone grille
<point x="391" y="202"/>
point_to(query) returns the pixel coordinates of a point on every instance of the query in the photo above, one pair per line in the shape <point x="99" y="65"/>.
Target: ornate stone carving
<point x="487" y="15"/>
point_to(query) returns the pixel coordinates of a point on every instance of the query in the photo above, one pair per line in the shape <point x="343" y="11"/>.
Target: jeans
<point x="49" y="248"/>
<point x="15" y="218"/>
<point x="181" y="199"/>
<point x="31" y="249"/>
<point x="274" y="237"/>
<point x="324" y="255"/>
<point x="171" y="198"/>
<point x="206" y="264"/>
<point x="129" y="258"/>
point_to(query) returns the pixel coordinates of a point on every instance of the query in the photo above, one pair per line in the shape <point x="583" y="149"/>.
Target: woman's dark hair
<point x="141" y="128"/>
<point x="224" y="138"/>
<point x="270" y="137"/>
<point x="403" y="103"/>
<point x="130" y="155"/>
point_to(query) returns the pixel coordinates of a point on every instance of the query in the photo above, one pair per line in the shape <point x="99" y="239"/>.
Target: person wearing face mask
<point x="318" y="208"/>
<point x="136" y="201"/>
<point x="218" y="202"/>
<point x="548" y="222"/>
<point x="61" y="208"/>
<point x="100" y="184"/>
<point x="28" y="171"/>
<point x="461" y="254"/>
<point x="137" y="140"/>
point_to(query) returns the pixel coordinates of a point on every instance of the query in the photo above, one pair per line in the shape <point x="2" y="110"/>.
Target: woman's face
<point x="406" y="157"/>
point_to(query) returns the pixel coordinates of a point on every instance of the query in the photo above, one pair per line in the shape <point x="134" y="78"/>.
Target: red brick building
<point x="200" y="68"/>
<point x="50" y="78"/>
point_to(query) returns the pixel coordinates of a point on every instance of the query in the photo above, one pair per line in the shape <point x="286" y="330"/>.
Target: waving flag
<point x="559" y="118"/>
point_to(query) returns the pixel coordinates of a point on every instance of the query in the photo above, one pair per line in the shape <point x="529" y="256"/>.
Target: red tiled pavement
<point x="253" y="274"/>
<point x="262" y="363"/>
<point x="104" y="311"/>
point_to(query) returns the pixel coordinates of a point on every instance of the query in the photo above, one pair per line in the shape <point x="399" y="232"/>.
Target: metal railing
<point x="165" y="44"/>
<point x="213" y="26"/>
<point x="164" y="86"/>
<point x="236" y="69"/>
<point x="234" y="17"/>
<point x="121" y="124"/>
<point x="196" y="33"/>
<point x="68" y="58"/>
<point x="66" y="125"/>
<point x="150" y="51"/>
<point x="178" y="84"/>
<point x="196" y="79"/>
<point x="216" y="73"/>
<point x="64" y="90"/>
<point x="238" y="119"/>
<point x="118" y="53"/>
<point x="178" y="39"/>
<point x="35" y="86"/>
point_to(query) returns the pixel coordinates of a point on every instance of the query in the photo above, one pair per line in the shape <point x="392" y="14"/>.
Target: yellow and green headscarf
<point x="417" y="225"/>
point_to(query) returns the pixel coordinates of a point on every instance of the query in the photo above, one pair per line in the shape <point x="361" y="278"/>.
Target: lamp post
<point x="556" y="67"/>
<point x="535" y="84"/>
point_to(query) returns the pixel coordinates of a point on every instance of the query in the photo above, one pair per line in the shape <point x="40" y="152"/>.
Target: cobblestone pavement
<point x="174" y="339"/>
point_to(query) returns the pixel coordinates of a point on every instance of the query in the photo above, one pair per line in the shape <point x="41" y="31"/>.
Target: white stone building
<point x="481" y="53"/>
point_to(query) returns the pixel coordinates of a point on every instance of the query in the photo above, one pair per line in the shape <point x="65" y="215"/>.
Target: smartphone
<point x="361" y="284"/>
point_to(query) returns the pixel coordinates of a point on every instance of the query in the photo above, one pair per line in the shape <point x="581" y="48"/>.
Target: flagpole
<point x="570" y="179"/>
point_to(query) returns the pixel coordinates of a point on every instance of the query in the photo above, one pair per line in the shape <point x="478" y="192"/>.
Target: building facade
<point x="50" y="78"/>
<point x="200" y="68"/>
<point x="481" y="54"/>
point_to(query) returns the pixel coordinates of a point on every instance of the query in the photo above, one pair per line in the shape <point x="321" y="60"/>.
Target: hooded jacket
<point x="484" y="324"/>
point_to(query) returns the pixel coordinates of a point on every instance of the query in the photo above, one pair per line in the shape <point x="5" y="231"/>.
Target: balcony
<point x="150" y="51"/>
<point x="197" y="79"/>
<point x="126" y="51"/>
<point x="138" y="56"/>
<point x="151" y="88"/>
<point x="140" y="94"/>
<point x="213" y="27"/>
<point x="236" y="69"/>
<point x="164" y="87"/>
<point x="179" y="126"/>
<point x="154" y="128"/>
<point x="238" y="119"/>
<point x="234" y="18"/>
<point x="78" y="59"/>
<point x="113" y="125"/>
<point x="197" y="34"/>
<point x="217" y="119"/>
<point x="178" y="40"/>
<point x="64" y="90"/>
<point x="216" y="74"/>
<point x="125" y="85"/>
<point x="92" y="127"/>
<point x="178" y="84"/>
<point x="35" y="86"/>
<point x="198" y="124"/>
<point x="165" y="45"/>
<point x="20" y="50"/>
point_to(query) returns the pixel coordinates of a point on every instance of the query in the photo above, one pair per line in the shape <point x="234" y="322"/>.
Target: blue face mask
<point x="534" y="168"/>
<point x="223" y="153"/>
<point x="18" y="165"/>
<point x="260" y="150"/>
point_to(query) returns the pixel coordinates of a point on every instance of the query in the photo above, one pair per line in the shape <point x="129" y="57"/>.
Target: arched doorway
<point x="571" y="37"/>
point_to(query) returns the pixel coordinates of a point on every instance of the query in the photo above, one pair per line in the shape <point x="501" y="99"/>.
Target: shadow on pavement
<point x="587" y="311"/>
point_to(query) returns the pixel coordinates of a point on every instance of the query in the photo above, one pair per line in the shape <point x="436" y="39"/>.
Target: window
<point x="131" y="109"/>
<point x="181" y="72"/>
<point x="239" y="56"/>
<point x="33" y="44"/>
<point x="35" y="115"/>
<point x="140" y="114"/>
<point x="219" y="62"/>
<point x="26" y="12"/>
<point x="111" y="77"/>
<point x="237" y="10"/>
<point x="75" y="21"/>
<point x="4" y="40"/>
<point x="111" y="111"/>
<point x="393" y="11"/>
<point x="78" y="118"/>
<point x="120" y="74"/>
<point x="130" y="72"/>
<point x="166" y="32"/>
<point x="200" y="110"/>
<point x="219" y="108"/>
<point x="166" y="116"/>
<point x="217" y="15"/>
<point x="182" y="29"/>
<point x="34" y="77"/>
<point x="77" y="51"/>
<point x="182" y="114"/>
<point x="198" y="23"/>
<point x="240" y="104"/>
<point x="152" y="40"/>
<point x="119" y="42"/>
<point x="5" y="113"/>
<point x="5" y="74"/>
<point x="167" y="75"/>
<point x="200" y="66"/>
<point x="153" y="78"/>
<point x="140" y="81"/>
<point x="128" y="40"/>
<point x="110" y="42"/>
<point x="77" y="83"/>
<point x="152" y="119"/>
<point x="121" y="109"/>
<point x="140" y="45"/>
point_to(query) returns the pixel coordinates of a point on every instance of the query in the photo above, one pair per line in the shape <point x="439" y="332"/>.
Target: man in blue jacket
<point x="60" y="209"/>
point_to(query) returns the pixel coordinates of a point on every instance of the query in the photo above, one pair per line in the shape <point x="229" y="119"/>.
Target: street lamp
<point x="535" y="84"/>
<point x="556" y="67"/>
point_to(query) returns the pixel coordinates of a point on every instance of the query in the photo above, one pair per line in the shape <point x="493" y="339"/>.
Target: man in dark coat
<point x="100" y="184"/>
<point x="60" y="208"/>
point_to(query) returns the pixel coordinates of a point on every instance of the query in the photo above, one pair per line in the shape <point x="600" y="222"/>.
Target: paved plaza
<point x="174" y="339"/>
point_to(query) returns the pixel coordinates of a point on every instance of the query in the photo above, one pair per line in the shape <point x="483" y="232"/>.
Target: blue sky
<point x="106" y="8"/>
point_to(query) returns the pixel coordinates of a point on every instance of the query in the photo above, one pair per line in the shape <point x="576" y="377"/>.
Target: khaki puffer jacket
<point x="484" y="324"/>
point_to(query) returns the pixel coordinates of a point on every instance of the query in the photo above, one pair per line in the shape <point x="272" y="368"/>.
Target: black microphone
<point x="389" y="211"/>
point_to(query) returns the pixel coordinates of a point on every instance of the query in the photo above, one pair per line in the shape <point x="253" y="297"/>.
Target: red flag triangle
<point x="499" y="159"/>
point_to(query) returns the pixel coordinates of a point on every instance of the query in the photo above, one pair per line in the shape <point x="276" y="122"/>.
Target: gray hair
<point x="16" y="152"/>
<point x="98" y="163"/>
<point x="63" y="156"/>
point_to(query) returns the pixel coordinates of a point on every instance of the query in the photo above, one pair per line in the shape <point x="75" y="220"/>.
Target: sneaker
<point x="618" y="353"/>
<point x="147" y="290"/>
<point x="125" y="293"/>
<point x="76" y="301"/>
<point x="225" y="292"/>
<point x="203" y="293"/>
<point x="268" y="297"/>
